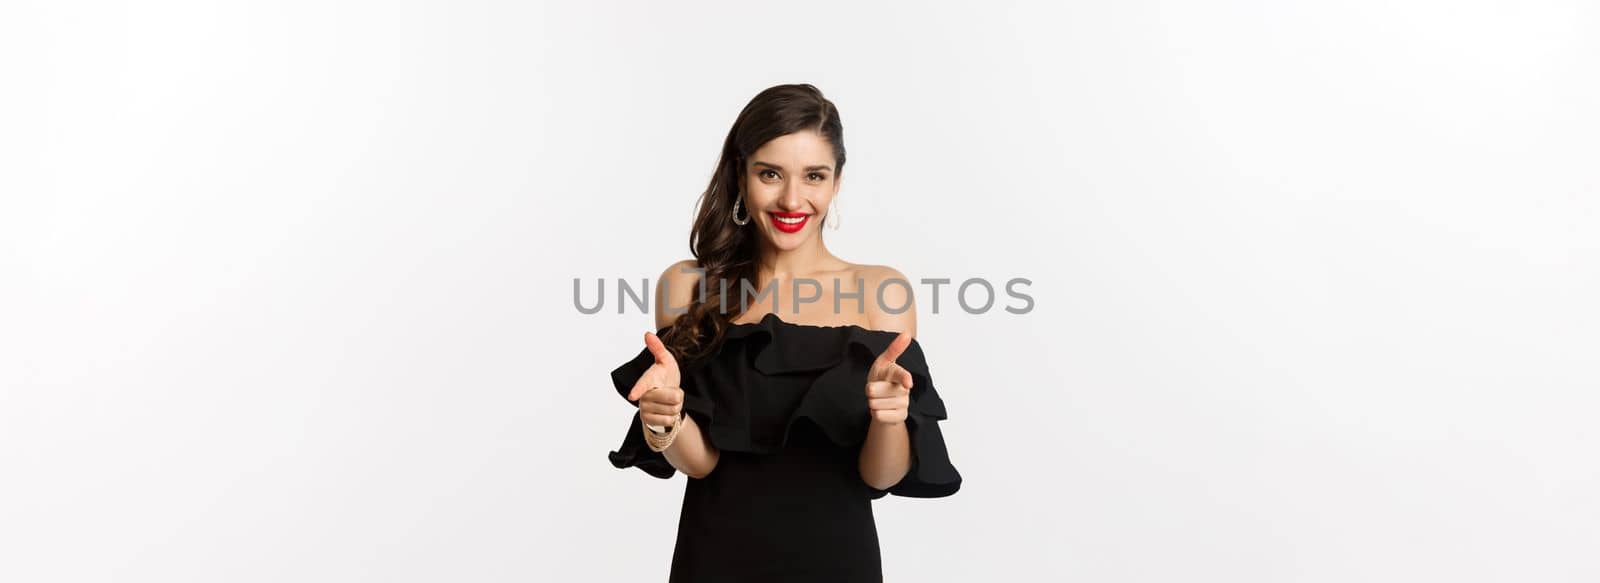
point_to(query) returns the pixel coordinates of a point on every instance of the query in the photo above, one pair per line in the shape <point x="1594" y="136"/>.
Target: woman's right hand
<point x="657" y="392"/>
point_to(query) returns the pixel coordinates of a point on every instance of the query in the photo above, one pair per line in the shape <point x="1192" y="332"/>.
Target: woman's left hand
<point x="889" y="384"/>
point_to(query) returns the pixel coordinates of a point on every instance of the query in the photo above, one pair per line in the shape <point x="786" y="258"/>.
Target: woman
<point x="789" y="417"/>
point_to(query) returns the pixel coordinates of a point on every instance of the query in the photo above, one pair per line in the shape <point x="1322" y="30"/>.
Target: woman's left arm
<point x="886" y="454"/>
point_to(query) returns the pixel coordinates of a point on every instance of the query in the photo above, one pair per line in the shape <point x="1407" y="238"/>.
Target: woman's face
<point x="787" y="185"/>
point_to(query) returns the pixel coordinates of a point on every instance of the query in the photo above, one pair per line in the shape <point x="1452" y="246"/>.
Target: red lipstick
<point x="789" y="222"/>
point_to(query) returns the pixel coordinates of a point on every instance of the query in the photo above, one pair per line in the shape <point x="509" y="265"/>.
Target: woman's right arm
<point x="690" y="453"/>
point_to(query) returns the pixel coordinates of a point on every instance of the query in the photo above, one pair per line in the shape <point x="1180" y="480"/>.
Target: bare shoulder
<point x="675" y="289"/>
<point x="890" y="302"/>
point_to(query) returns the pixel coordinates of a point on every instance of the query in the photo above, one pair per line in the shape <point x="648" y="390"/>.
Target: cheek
<point x="760" y="195"/>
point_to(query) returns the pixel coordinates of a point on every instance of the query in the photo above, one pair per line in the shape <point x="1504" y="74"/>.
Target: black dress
<point x="786" y="406"/>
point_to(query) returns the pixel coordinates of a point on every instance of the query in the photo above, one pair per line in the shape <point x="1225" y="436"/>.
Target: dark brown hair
<point x="727" y="251"/>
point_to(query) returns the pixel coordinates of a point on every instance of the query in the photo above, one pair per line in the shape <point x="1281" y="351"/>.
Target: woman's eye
<point x="816" y="176"/>
<point x="764" y="173"/>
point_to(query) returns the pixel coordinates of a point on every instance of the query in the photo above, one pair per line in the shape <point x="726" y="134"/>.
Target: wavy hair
<point x="727" y="251"/>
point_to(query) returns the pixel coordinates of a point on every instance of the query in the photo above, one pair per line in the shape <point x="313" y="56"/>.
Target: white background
<point x="286" y="287"/>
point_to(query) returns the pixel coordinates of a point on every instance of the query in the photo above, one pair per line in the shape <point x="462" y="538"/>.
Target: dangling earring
<point x="832" y="219"/>
<point x="736" y="219"/>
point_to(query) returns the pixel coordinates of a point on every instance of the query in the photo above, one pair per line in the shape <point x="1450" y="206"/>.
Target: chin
<point x="787" y="243"/>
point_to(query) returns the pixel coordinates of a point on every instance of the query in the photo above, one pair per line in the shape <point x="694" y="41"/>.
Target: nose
<point x="791" y="200"/>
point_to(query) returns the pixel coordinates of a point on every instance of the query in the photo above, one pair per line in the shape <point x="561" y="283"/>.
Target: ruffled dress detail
<point x="769" y="375"/>
<point x="786" y="406"/>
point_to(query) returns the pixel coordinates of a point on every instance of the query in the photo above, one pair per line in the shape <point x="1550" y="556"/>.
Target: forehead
<point x="796" y="150"/>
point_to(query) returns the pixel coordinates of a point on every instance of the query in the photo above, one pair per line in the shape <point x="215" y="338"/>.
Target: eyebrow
<point x="807" y="168"/>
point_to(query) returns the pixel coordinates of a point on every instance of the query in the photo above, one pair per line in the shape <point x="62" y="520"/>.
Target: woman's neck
<point x="788" y="265"/>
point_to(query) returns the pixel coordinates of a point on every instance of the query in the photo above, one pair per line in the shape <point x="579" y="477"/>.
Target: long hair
<point x="727" y="251"/>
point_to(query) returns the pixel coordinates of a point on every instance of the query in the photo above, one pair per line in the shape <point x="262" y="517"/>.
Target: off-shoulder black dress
<point x="786" y="405"/>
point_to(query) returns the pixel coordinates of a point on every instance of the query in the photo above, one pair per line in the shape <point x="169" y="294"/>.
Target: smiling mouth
<point x="789" y="222"/>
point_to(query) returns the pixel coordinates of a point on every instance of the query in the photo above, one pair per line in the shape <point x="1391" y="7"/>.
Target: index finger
<point x="638" y="391"/>
<point x="901" y="375"/>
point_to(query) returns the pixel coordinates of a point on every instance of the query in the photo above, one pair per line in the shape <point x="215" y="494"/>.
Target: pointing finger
<point x="639" y="389"/>
<point x="902" y="376"/>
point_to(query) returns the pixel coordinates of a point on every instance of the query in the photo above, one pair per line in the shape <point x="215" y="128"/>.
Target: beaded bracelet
<point x="659" y="441"/>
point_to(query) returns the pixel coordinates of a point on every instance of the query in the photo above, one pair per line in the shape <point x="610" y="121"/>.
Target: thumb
<point x="659" y="350"/>
<point x="895" y="349"/>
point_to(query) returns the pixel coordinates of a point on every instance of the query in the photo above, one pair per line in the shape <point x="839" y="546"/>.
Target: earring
<point x="736" y="219"/>
<point x="832" y="220"/>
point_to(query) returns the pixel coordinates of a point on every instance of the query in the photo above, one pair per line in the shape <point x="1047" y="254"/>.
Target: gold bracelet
<point x="661" y="441"/>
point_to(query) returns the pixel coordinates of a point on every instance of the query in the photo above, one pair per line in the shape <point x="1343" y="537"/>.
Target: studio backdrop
<point x="1226" y="291"/>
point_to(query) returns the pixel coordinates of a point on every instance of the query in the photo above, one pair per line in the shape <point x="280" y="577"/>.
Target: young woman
<point x="785" y="381"/>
